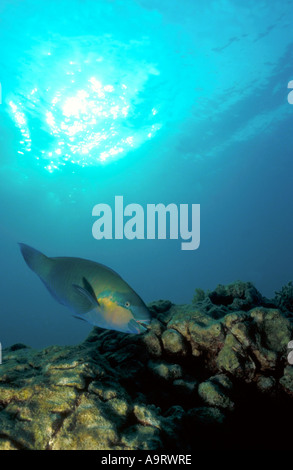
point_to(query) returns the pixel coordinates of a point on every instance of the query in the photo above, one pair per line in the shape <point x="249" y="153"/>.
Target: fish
<point x="92" y="291"/>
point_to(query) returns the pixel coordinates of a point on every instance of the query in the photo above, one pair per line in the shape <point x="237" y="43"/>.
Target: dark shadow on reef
<point x="210" y="375"/>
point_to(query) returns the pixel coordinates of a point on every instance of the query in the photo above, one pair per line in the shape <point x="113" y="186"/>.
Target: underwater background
<point x="158" y="101"/>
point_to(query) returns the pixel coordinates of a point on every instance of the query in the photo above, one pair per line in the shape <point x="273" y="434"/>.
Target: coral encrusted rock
<point x="210" y="375"/>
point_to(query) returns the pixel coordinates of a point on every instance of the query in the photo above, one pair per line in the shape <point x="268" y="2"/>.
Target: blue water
<point x="161" y="102"/>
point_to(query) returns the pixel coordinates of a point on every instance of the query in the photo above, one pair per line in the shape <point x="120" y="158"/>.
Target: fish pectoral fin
<point x="87" y="292"/>
<point x="79" y="318"/>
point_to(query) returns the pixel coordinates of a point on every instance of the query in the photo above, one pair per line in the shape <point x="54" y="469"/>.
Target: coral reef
<point x="210" y="375"/>
<point x="284" y="298"/>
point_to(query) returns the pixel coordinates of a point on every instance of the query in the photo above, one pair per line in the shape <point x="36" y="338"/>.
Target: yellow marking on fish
<point x="114" y="313"/>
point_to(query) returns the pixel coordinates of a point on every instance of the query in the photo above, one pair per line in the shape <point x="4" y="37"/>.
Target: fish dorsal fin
<point x="87" y="291"/>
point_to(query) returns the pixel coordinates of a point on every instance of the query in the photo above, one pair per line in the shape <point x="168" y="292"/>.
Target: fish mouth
<point x="144" y="321"/>
<point x="145" y="324"/>
<point x="138" y="326"/>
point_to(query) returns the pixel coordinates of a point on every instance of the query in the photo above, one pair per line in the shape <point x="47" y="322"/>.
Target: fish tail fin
<point x="35" y="260"/>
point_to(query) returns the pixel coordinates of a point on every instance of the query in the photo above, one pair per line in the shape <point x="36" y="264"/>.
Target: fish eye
<point x="127" y="304"/>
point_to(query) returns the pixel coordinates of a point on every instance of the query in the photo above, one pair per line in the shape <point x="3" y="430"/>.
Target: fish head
<point x="125" y="311"/>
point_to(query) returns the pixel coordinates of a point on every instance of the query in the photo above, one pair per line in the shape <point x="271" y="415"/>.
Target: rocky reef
<point x="210" y="375"/>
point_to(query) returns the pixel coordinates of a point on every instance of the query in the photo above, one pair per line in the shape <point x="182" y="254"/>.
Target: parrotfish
<point x="92" y="291"/>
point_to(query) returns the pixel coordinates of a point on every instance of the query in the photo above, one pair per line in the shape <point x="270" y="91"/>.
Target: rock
<point x="206" y="416"/>
<point x="237" y="296"/>
<point x="203" y="375"/>
<point x="141" y="438"/>
<point x="94" y="428"/>
<point x="160" y="306"/>
<point x="214" y="392"/>
<point x="153" y="344"/>
<point x="284" y="298"/>
<point x="147" y="415"/>
<point x="166" y="371"/>
<point x="157" y="327"/>
<point x="203" y="333"/>
<point x="234" y="360"/>
<point x="174" y="342"/>
<point x="16" y="347"/>
<point x="185" y="387"/>
<point x="274" y="328"/>
<point x="6" y="444"/>
<point x="223" y="381"/>
<point x="104" y="390"/>
<point x="286" y="381"/>
<point x="160" y="309"/>
<point x="266" y="384"/>
<point x="173" y="424"/>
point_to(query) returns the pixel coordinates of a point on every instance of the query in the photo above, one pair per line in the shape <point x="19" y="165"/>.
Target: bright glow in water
<point x="84" y="119"/>
<point x="89" y="99"/>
